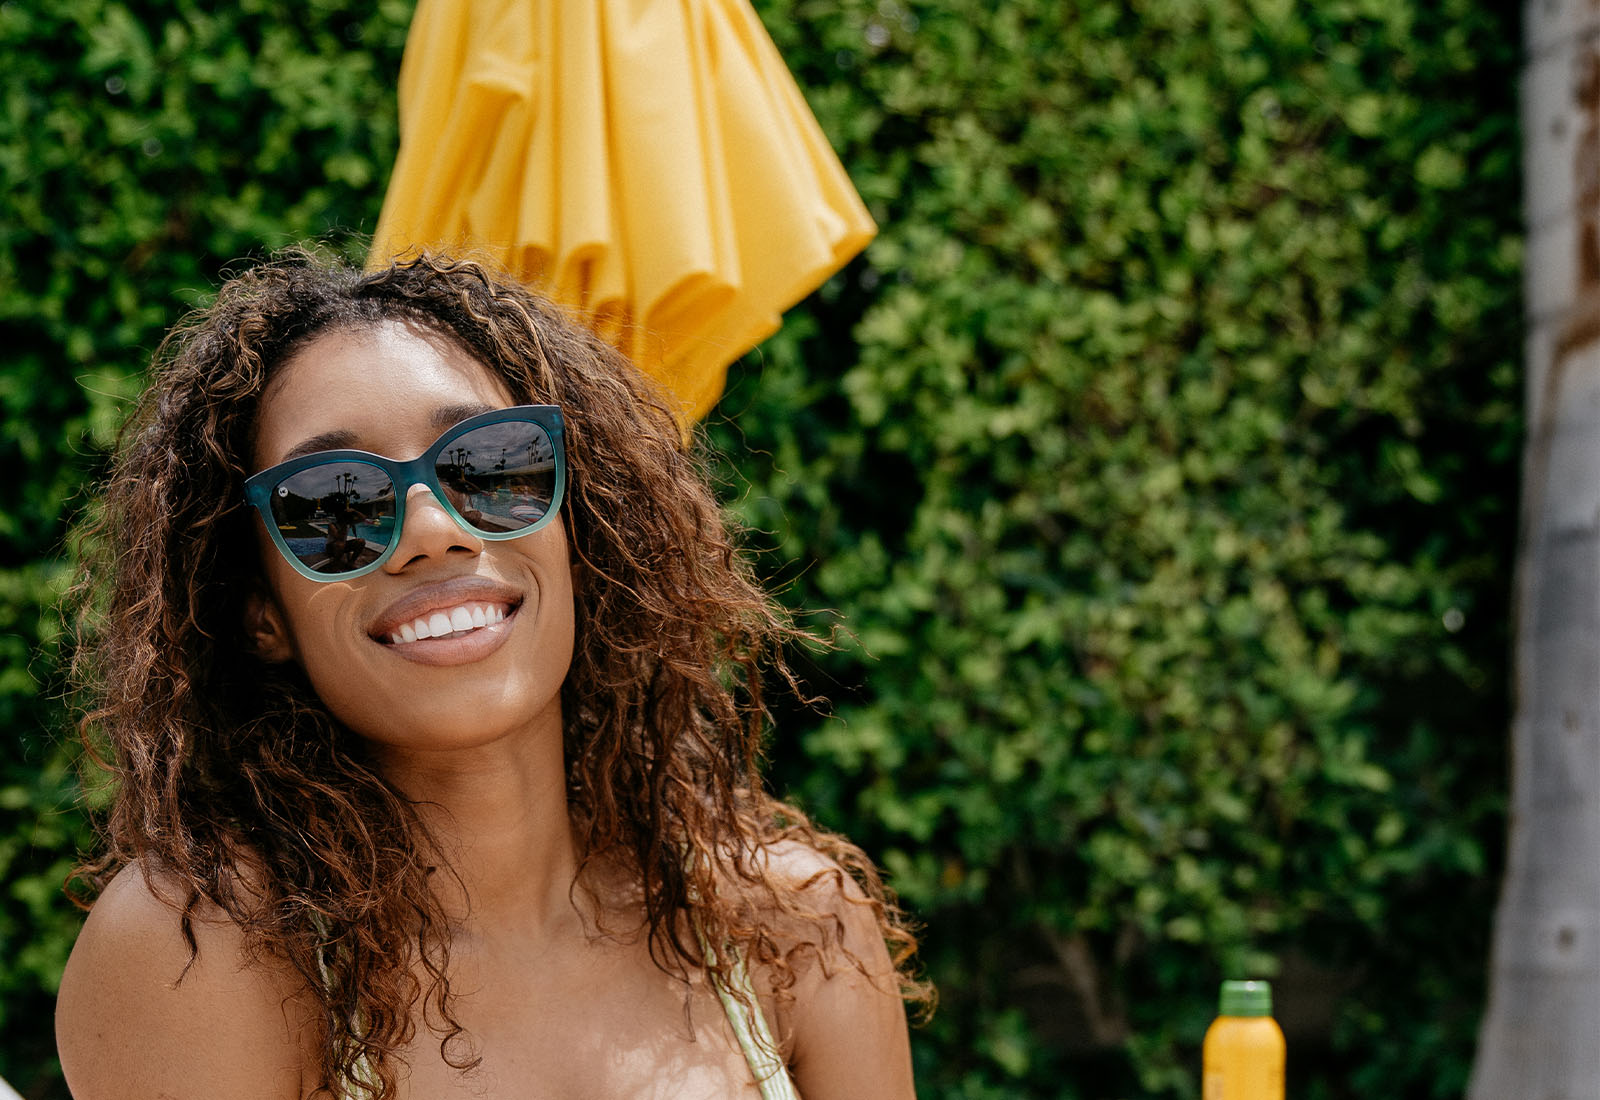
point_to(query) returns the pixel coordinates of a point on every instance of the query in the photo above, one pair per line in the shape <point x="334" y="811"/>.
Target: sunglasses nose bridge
<point x="416" y="474"/>
<point x="422" y="473"/>
<point x="426" y="525"/>
<point x="429" y="490"/>
<point x="432" y="492"/>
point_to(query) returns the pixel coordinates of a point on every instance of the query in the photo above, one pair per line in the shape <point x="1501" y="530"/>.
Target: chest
<point x="608" y="1024"/>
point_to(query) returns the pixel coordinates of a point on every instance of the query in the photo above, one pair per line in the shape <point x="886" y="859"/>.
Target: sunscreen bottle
<point x="1243" y="1054"/>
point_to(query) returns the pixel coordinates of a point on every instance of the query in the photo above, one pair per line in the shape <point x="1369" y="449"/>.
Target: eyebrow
<point x="340" y="439"/>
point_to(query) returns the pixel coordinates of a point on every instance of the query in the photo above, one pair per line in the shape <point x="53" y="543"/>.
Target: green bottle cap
<point x="1246" y="998"/>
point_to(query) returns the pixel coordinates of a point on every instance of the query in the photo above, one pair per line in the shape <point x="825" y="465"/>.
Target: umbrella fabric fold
<point x="649" y="163"/>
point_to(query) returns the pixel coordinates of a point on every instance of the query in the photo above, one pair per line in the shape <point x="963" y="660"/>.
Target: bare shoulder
<point x="820" y="886"/>
<point x="844" y="1029"/>
<point x="136" y="1017"/>
<point x="798" y="865"/>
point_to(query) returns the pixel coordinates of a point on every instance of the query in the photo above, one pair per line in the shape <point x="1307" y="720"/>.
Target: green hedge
<point x="143" y="149"/>
<point x="1159" y="455"/>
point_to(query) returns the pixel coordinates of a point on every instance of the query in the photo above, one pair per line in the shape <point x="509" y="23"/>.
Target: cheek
<point x="559" y="621"/>
<point x="317" y="637"/>
<point x="540" y="653"/>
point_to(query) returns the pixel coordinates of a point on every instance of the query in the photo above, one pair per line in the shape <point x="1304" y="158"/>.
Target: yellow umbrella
<point x="650" y="163"/>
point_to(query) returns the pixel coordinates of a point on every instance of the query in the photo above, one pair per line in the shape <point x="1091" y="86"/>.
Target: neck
<point x="498" y="815"/>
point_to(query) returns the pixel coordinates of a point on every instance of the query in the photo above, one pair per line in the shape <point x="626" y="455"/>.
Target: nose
<point x="429" y="532"/>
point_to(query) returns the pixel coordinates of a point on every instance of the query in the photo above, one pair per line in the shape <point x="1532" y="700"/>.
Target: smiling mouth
<point x="450" y="622"/>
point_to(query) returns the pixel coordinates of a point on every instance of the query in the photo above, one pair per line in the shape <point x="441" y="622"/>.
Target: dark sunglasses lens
<point x="336" y="517"/>
<point x="500" y="477"/>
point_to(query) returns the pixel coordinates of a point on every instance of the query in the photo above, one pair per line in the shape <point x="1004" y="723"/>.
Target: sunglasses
<point x="335" y="515"/>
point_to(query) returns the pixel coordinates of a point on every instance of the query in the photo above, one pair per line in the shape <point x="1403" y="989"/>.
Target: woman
<point x="475" y="810"/>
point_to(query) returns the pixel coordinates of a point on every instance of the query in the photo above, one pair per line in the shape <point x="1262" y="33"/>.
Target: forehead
<point x="378" y="386"/>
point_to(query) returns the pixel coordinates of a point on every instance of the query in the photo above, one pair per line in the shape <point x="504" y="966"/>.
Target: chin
<point x="454" y="721"/>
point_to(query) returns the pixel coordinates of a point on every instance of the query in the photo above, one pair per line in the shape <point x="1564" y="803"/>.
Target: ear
<point x="267" y="629"/>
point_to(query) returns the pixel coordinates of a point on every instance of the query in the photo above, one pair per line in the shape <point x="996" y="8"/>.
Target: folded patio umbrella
<point x="649" y="163"/>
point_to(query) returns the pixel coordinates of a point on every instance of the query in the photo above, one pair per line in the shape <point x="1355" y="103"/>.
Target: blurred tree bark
<point x="1540" y="1038"/>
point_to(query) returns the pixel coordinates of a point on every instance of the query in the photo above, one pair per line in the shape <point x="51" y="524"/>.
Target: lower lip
<point x="457" y="649"/>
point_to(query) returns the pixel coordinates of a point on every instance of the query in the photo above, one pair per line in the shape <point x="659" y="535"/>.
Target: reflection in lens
<point x="337" y="516"/>
<point x="500" y="477"/>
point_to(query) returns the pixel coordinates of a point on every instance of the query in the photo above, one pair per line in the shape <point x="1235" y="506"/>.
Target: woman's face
<point x="392" y="389"/>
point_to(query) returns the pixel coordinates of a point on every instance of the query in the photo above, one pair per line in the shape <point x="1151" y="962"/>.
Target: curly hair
<point x="237" y="786"/>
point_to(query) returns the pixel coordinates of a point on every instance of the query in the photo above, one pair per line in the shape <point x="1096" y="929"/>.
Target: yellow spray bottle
<point x="1243" y="1054"/>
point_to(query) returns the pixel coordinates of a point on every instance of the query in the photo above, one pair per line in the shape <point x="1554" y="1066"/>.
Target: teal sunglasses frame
<point x="422" y="470"/>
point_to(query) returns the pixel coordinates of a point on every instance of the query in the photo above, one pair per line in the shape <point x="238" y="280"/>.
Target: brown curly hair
<point x="233" y="781"/>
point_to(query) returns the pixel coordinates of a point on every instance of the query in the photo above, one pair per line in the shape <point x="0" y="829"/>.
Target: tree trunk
<point x="1540" y="1038"/>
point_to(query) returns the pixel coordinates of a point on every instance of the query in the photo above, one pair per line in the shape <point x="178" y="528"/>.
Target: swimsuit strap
<point x="750" y="1026"/>
<point x="362" y="1075"/>
<point x="744" y="1011"/>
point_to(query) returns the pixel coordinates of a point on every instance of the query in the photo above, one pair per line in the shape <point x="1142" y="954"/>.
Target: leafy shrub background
<point x="143" y="149"/>
<point x="1159" y="455"/>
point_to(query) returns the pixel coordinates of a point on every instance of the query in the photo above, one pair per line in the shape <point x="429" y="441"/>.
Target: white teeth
<point x="454" y="621"/>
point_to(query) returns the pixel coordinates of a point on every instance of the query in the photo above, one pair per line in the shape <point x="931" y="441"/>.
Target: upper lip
<point x="441" y="596"/>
